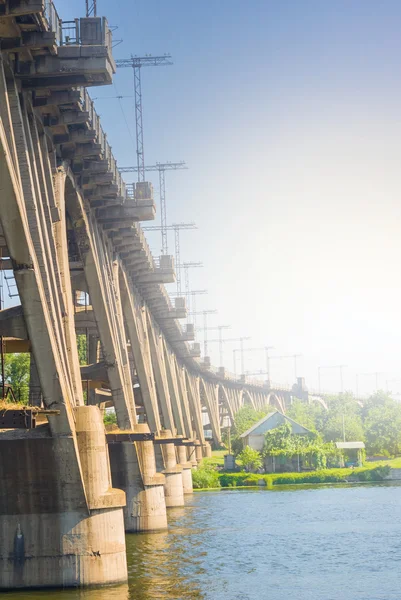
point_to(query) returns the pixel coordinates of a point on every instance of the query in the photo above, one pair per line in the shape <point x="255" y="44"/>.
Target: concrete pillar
<point x="207" y="450"/>
<point x="93" y="346"/>
<point x="186" y="470"/>
<point x="35" y="391"/>
<point x="133" y="469"/>
<point x="61" y="525"/>
<point x="198" y="452"/>
<point x="166" y="462"/>
<point x="192" y="456"/>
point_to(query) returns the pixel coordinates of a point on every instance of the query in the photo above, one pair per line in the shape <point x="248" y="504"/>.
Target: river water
<point x="323" y="543"/>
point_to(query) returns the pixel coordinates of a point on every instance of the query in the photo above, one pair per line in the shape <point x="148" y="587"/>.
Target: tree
<point x="82" y="348"/>
<point x="383" y="426"/>
<point x="250" y="458"/>
<point x="311" y="416"/>
<point x="16" y="372"/>
<point x="243" y="420"/>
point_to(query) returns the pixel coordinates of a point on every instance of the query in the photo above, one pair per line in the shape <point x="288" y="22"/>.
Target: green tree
<point x="250" y="458"/>
<point x="312" y="416"/>
<point x="280" y="440"/>
<point x="383" y="426"/>
<point x="82" y="348"/>
<point x="16" y="372"/>
<point x="243" y="420"/>
<point x="246" y="417"/>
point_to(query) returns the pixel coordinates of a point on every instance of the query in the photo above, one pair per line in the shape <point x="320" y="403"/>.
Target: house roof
<point x="269" y="416"/>
<point x="349" y="445"/>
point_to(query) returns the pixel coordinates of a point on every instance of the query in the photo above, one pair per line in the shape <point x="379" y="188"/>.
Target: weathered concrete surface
<point x="207" y="450"/>
<point x="166" y="462"/>
<point x="133" y="469"/>
<point x="53" y="533"/>
<point x="186" y="470"/>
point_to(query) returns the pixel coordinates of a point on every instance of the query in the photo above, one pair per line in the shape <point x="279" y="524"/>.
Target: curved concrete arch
<point x="247" y="398"/>
<point x="226" y="401"/>
<point x="102" y="278"/>
<point x="209" y="392"/>
<point x="275" y="400"/>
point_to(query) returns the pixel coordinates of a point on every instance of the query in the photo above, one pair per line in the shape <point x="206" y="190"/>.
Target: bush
<point x="205" y="477"/>
<point x="323" y="476"/>
<point x="250" y="459"/>
<point x="376" y="474"/>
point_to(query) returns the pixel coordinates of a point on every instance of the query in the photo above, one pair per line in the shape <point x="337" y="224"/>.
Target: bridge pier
<point x="186" y="470"/>
<point x="61" y="523"/>
<point x="192" y="456"/>
<point x="166" y="462"/>
<point x="133" y="469"/>
<point x="207" y="450"/>
<point x="198" y="452"/>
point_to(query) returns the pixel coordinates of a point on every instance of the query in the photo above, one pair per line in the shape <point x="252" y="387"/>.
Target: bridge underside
<point x="96" y="321"/>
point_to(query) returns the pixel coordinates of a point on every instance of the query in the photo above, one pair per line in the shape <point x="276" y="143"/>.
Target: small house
<point x="255" y="436"/>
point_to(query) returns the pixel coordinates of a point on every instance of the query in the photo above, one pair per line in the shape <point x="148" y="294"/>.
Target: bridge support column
<point x="207" y="450"/>
<point x="192" y="456"/>
<point x="186" y="470"/>
<point x="167" y="462"/>
<point x="61" y="523"/>
<point x="198" y="452"/>
<point x="133" y="469"/>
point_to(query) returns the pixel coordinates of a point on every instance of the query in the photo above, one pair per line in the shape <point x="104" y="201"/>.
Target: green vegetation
<point x="243" y="420"/>
<point x="377" y="422"/>
<point x="110" y="418"/>
<point x="205" y="477"/>
<point x="216" y="460"/>
<point x="16" y="373"/>
<point x="251" y="459"/>
<point x="372" y="473"/>
<point x="82" y="348"/>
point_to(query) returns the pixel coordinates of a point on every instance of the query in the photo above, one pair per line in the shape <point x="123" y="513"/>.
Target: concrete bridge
<point x="70" y="233"/>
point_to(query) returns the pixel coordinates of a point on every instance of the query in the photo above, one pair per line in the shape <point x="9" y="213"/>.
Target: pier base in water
<point x="133" y="469"/>
<point x="61" y="523"/>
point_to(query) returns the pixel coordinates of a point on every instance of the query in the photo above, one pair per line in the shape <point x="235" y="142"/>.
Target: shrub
<point x="376" y="474"/>
<point x="205" y="477"/>
<point x="250" y="459"/>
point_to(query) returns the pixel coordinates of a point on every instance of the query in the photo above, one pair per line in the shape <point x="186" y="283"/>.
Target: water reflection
<point x="337" y="543"/>
<point x="119" y="592"/>
<point x="165" y="564"/>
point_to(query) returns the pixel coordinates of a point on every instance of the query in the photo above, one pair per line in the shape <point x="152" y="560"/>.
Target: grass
<point x="374" y="471"/>
<point x="242" y="479"/>
<point x="216" y="460"/>
<point x="5" y="405"/>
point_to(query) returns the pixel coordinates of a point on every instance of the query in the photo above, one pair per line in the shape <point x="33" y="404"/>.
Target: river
<point x="322" y="543"/>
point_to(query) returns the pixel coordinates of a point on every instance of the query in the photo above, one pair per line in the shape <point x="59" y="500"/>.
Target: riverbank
<point x="207" y="477"/>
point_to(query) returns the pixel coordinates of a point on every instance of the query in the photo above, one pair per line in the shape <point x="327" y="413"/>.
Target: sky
<point x="288" y="115"/>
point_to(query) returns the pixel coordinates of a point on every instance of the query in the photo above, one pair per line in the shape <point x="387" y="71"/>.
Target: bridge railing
<point x="88" y="106"/>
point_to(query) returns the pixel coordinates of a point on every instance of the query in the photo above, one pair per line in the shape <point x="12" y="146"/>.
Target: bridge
<point x="71" y="236"/>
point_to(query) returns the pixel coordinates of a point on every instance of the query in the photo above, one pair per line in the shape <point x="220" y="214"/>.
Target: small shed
<point x="353" y="450"/>
<point x="254" y="437"/>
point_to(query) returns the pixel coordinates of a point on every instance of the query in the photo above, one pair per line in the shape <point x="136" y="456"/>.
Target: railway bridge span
<point x="71" y="236"/>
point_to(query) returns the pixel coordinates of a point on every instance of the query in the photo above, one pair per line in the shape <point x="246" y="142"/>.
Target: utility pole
<point x="176" y="227"/>
<point x="91" y="9"/>
<point x="340" y="367"/>
<point x="205" y="329"/>
<point x="136" y="63"/>
<point x="222" y="341"/>
<point x="193" y="293"/>
<point x="205" y="314"/>
<point x="264" y="349"/>
<point x="188" y="293"/>
<point x="161" y="168"/>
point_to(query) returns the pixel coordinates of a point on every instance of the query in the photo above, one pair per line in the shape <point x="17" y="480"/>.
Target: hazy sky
<point x="288" y="114"/>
